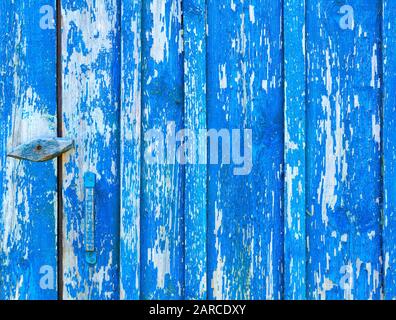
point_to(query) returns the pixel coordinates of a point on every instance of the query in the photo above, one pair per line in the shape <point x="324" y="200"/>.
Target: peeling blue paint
<point x="27" y="190"/>
<point x="313" y="79"/>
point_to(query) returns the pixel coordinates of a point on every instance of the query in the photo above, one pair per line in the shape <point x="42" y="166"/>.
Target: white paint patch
<point x="374" y="83"/>
<point x="251" y="14"/>
<point x="291" y="174"/>
<point x="160" y="46"/>
<point x="376" y="129"/>
<point x="233" y="6"/>
<point x="371" y="235"/>
<point x="219" y="281"/>
<point x="264" y="85"/>
<point x="160" y="255"/>
<point x="223" y="76"/>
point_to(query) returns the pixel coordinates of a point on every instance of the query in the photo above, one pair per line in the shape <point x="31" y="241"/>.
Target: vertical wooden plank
<point x="27" y="191"/>
<point x="91" y="93"/>
<point x="389" y="144"/>
<point x="344" y="149"/>
<point x="194" y="26"/>
<point x="245" y="92"/>
<point x="162" y="227"/>
<point x="295" y="102"/>
<point x="130" y="149"/>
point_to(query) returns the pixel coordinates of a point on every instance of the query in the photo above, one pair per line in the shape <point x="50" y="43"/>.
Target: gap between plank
<point x="60" y="159"/>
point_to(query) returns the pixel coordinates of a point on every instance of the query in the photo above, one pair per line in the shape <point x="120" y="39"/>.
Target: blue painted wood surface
<point x="162" y="215"/>
<point x="389" y="148"/>
<point x="195" y="119"/>
<point x="28" y="206"/>
<point x="131" y="142"/>
<point x="245" y="91"/>
<point x="91" y="112"/>
<point x="343" y="150"/>
<point x="295" y="149"/>
<point x="313" y="79"/>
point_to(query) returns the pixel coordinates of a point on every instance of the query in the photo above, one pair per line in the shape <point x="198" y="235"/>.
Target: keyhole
<point x="39" y="148"/>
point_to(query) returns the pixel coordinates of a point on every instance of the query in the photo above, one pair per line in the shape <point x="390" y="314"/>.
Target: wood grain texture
<point x="343" y="151"/>
<point x="131" y="158"/>
<point x="245" y="91"/>
<point x="295" y="148"/>
<point x="313" y="79"/>
<point x="389" y="147"/>
<point x="195" y="117"/>
<point x="27" y="190"/>
<point x="91" y="112"/>
<point x="162" y="208"/>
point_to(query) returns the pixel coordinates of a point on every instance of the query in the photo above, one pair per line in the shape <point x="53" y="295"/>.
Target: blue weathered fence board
<point x="343" y="150"/>
<point x="162" y="228"/>
<point x="389" y="147"/>
<point x="27" y="191"/>
<point x="244" y="91"/>
<point x="195" y="117"/>
<point x="131" y="159"/>
<point x="295" y="143"/>
<point x="313" y="217"/>
<point x="91" y="111"/>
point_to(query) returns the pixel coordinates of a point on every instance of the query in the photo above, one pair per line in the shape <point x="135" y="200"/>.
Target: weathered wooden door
<point x="301" y="205"/>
